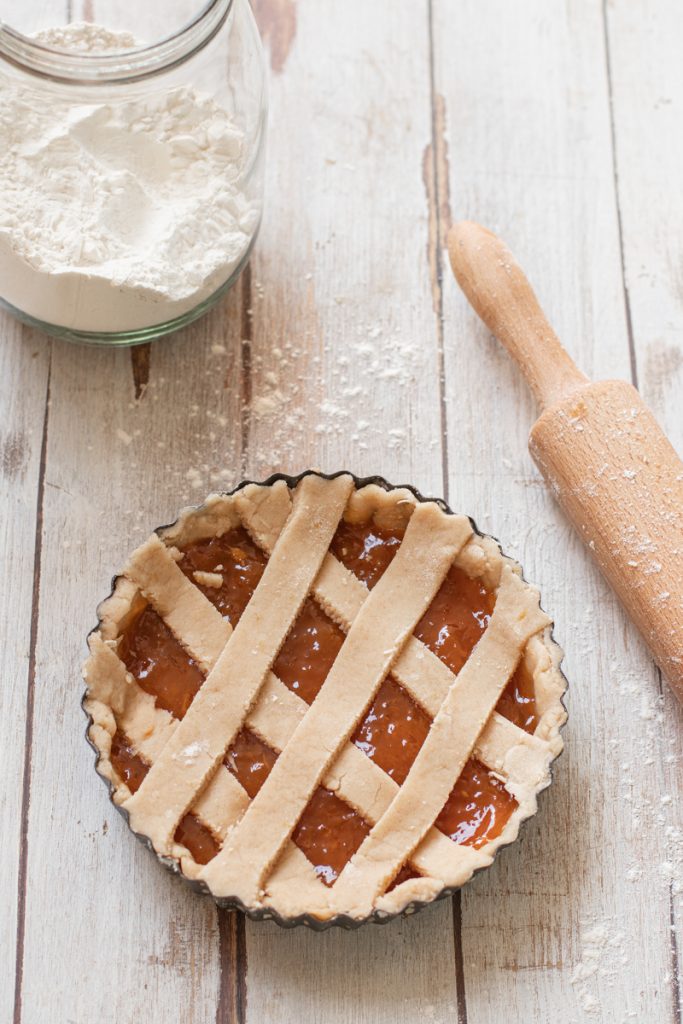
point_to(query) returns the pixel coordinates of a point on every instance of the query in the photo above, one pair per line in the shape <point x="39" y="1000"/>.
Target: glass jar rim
<point x="39" y="59"/>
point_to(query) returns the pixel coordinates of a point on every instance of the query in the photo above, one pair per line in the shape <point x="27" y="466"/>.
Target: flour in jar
<point x="116" y="216"/>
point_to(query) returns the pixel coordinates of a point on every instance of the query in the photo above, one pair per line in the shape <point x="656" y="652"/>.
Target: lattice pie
<point x="322" y="701"/>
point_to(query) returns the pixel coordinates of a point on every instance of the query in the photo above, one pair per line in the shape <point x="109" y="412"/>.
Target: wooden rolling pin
<point x="598" y="446"/>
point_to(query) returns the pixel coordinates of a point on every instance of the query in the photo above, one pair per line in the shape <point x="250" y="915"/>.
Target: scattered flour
<point x="603" y="957"/>
<point x="375" y="356"/>
<point x="117" y="216"/>
<point x="193" y="752"/>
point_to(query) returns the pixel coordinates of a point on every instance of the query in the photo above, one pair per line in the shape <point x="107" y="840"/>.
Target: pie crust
<point x="257" y="866"/>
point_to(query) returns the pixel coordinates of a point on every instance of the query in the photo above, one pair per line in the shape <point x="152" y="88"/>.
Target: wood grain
<point x="571" y="923"/>
<point x="128" y="460"/>
<point x="24" y="384"/>
<point x="557" y="125"/>
<point x="646" y="90"/>
<point x="344" y="360"/>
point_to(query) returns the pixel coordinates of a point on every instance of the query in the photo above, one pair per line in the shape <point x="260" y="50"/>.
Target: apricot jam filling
<point x="394" y="728"/>
<point x="131" y="769"/>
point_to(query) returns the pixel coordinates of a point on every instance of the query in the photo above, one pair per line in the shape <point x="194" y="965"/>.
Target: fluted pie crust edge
<point x="258" y="867"/>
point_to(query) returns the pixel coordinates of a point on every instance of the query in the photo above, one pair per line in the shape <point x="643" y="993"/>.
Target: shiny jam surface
<point x="239" y="562"/>
<point x="132" y="768"/>
<point x="307" y="654"/>
<point x="478" y="807"/>
<point x="365" y="550"/>
<point x="518" y="701"/>
<point x="328" y="832"/>
<point x="394" y="728"/>
<point x="161" y="666"/>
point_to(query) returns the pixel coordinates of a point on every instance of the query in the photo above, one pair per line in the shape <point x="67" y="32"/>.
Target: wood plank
<point x="155" y="430"/>
<point x="24" y="382"/>
<point x="328" y="353"/>
<point x="646" y="80"/>
<point x="343" y="349"/>
<point x="574" y="918"/>
<point x="114" y="471"/>
<point x="344" y="375"/>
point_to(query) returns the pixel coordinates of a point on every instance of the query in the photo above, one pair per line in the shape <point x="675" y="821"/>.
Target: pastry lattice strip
<point x="354" y="777"/>
<point x="389" y="614"/>
<point x="264" y="512"/>
<point x="220" y="706"/>
<point x="224" y="800"/>
<point x="210" y="636"/>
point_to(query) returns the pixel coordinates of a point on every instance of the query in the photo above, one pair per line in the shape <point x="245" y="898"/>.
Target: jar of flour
<point x="131" y="162"/>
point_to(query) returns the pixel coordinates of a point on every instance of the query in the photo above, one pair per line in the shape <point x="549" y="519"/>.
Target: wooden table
<point x="347" y="344"/>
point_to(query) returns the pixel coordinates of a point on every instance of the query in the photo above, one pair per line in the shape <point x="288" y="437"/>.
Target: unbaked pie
<point x="324" y="700"/>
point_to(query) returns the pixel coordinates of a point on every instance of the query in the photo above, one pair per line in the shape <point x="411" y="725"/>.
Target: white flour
<point x="115" y="217"/>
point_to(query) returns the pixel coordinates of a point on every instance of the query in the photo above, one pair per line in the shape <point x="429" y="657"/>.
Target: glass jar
<point x="131" y="162"/>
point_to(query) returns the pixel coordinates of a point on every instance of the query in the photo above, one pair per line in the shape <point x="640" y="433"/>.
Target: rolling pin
<point x="598" y="446"/>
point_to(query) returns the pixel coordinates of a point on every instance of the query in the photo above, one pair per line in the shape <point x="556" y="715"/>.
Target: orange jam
<point x="132" y="768"/>
<point x="329" y="832"/>
<point x="161" y="666"/>
<point x="394" y="728"/>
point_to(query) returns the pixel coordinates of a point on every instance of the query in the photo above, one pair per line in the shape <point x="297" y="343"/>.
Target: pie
<point x="324" y="700"/>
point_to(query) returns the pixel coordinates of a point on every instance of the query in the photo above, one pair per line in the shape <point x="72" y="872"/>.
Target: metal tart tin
<point x="309" y="920"/>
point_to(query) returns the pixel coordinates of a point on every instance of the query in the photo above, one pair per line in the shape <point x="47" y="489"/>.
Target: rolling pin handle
<point x="599" y="447"/>
<point x="501" y="295"/>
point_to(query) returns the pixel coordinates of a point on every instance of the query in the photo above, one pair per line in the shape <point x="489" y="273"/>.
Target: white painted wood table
<point x="347" y="344"/>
